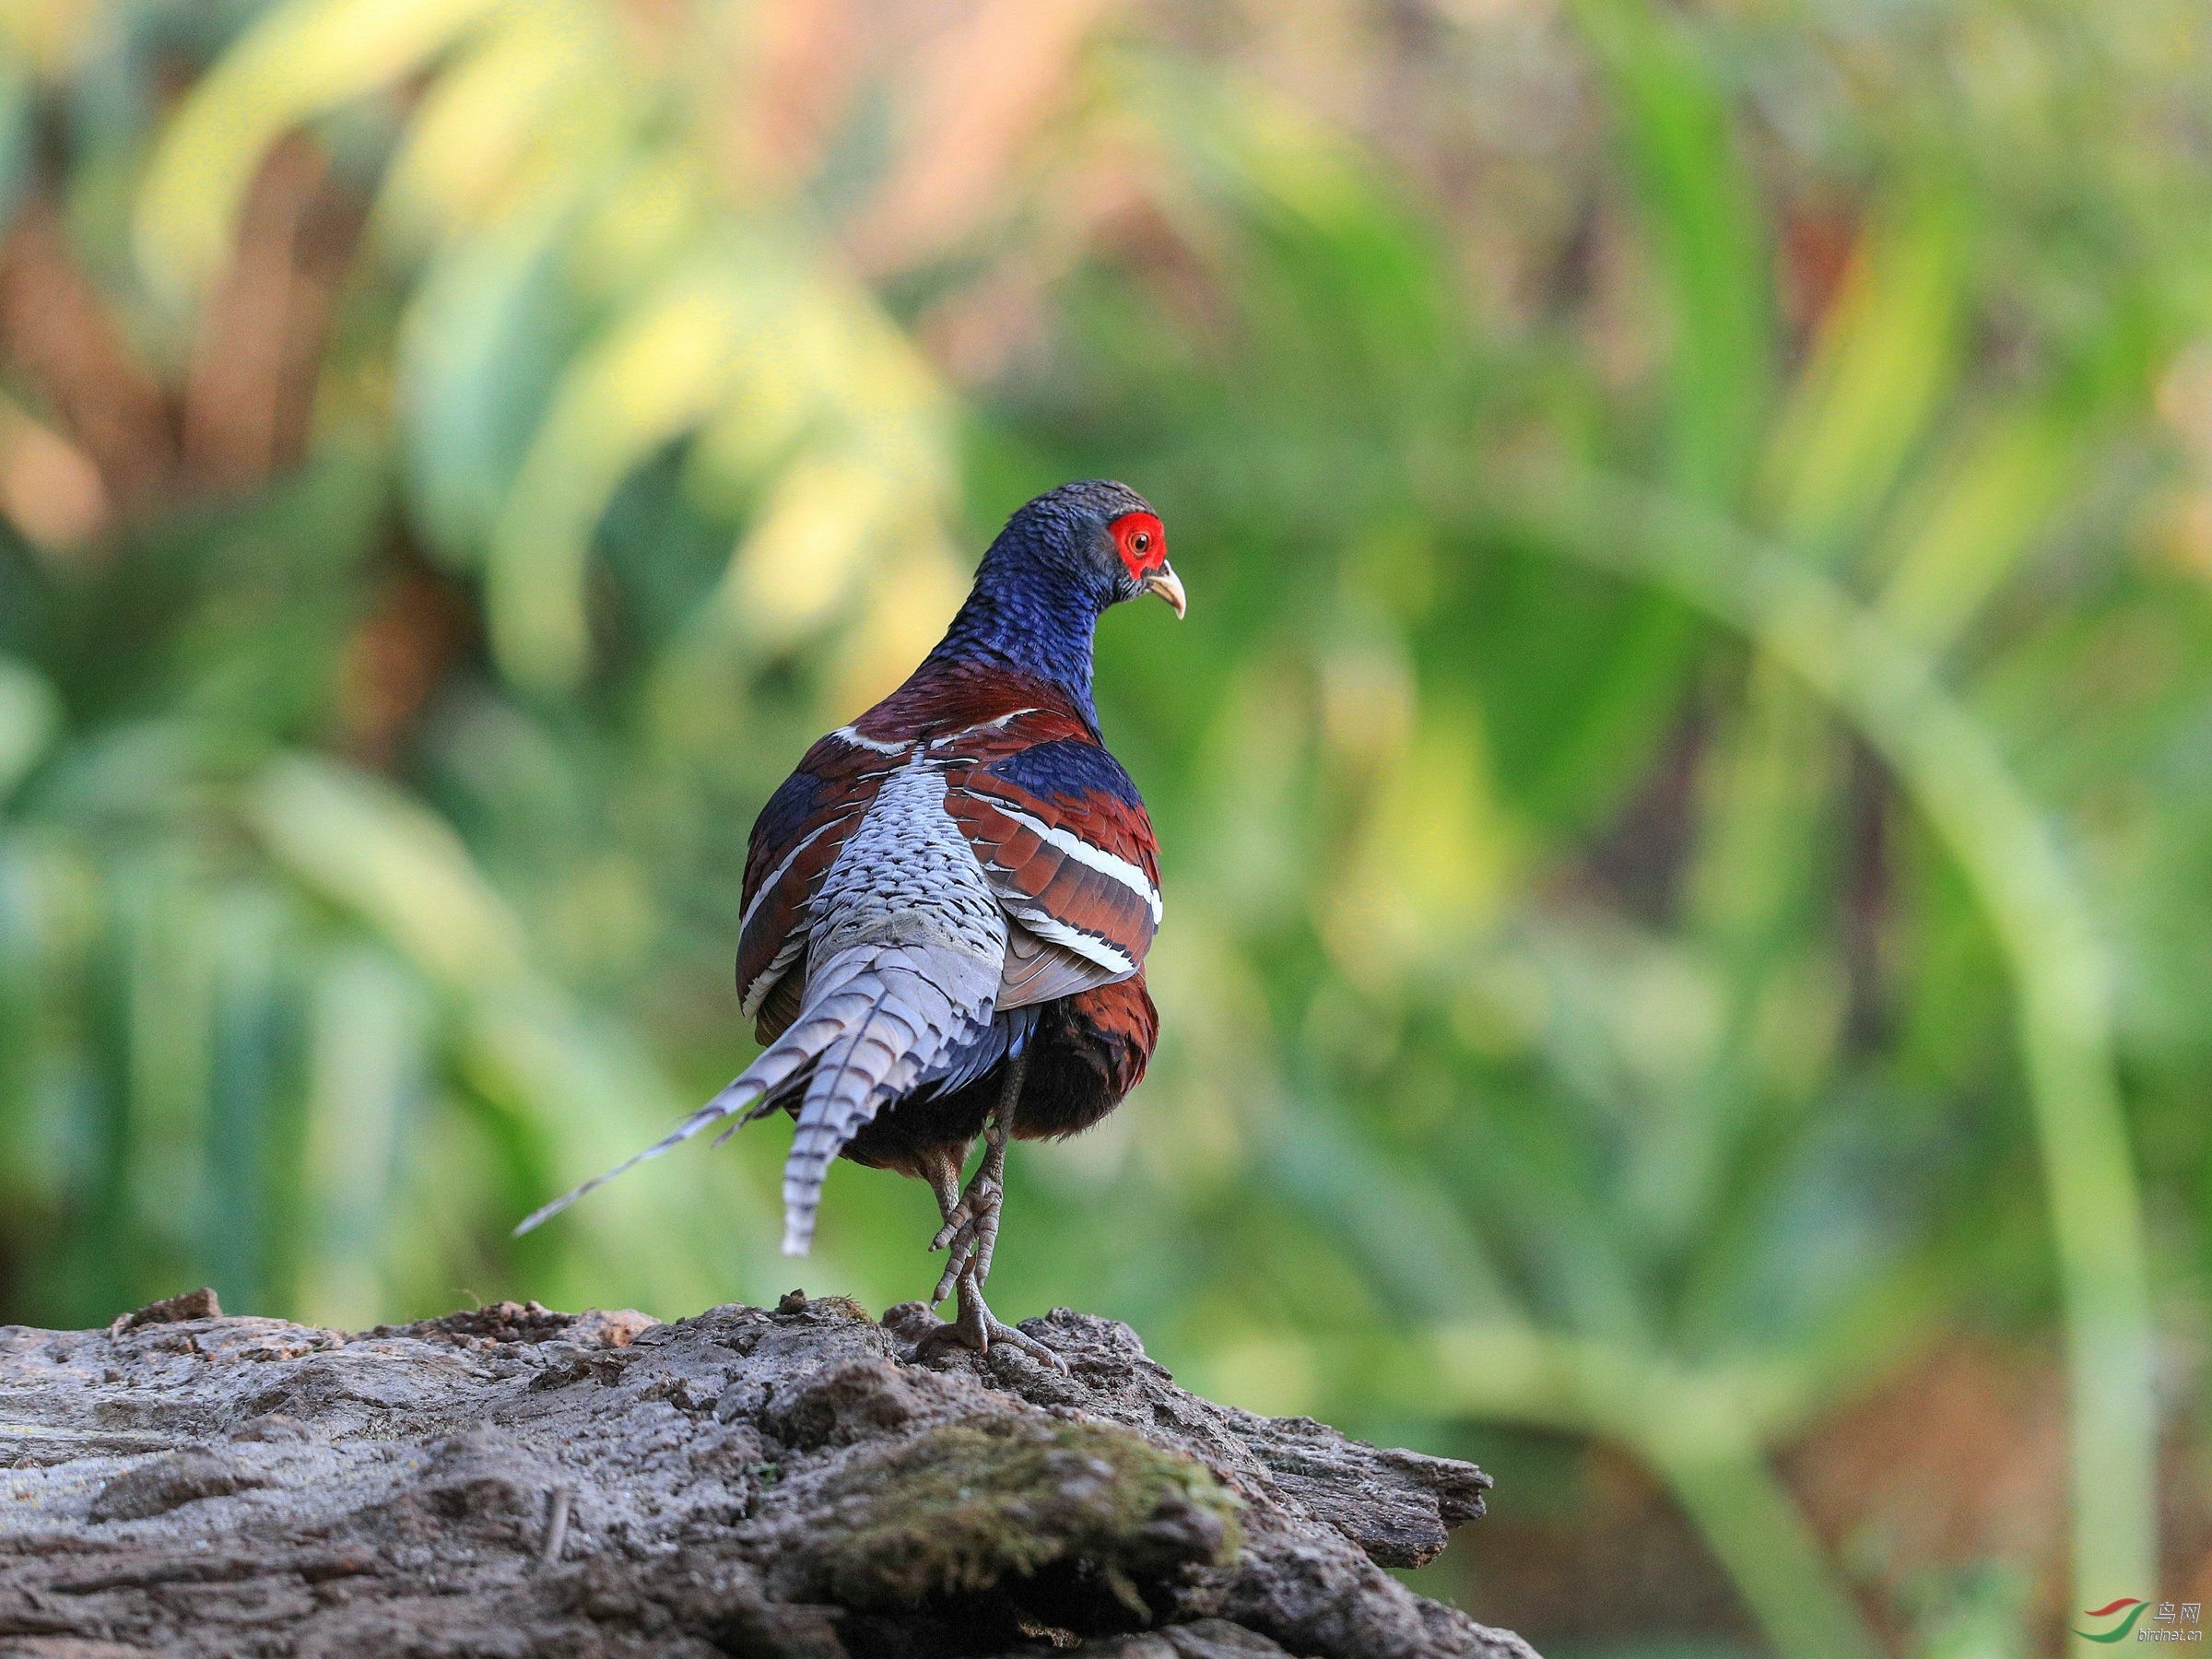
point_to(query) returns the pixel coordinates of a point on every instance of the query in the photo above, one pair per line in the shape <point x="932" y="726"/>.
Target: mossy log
<point x="786" y="1483"/>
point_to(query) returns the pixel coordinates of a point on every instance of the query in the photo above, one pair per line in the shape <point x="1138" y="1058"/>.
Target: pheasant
<point x="947" y="907"/>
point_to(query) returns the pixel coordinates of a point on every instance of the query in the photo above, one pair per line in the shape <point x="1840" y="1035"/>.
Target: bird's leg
<point x="940" y="1166"/>
<point x="970" y="1229"/>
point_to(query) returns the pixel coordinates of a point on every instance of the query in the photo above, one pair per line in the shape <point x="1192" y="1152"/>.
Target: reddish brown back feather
<point x="973" y="718"/>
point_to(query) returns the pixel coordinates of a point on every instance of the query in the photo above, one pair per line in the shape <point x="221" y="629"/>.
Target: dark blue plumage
<point x="1040" y="590"/>
<point x="1067" y="770"/>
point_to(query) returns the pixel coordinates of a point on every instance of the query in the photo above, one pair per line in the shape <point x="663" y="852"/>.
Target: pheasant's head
<point x="1097" y="537"/>
<point x="1059" y="563"/>
<point x="1139" y="543"/>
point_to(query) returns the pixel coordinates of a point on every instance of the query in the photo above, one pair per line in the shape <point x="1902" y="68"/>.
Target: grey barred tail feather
<point x="731" y="1100"/>
<point x="909" y="1025"/>
<point x="856" y="1046"/>
<point x="760" y="1086"/>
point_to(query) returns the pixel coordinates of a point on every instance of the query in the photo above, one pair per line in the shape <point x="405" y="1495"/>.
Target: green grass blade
<point x="31" y="715"/>
<point x="1886" y="356"/>
<point x="1709" y="237"/>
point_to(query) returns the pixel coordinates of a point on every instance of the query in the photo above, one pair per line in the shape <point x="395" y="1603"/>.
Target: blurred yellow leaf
<point x="295" y="60"/>
<point x="819" y="526"/>
<point x="1885" y="355"/>
<point x="827" y="364"/>
<point x="914" y="593"/>
<point x="650" y="378"/>
<point x="366" y="847"/>
<point x="659" y="206"/>
<point x="2012" y="474"/>
<point x="468" y="134"/>
<point x="1431" y="864"/>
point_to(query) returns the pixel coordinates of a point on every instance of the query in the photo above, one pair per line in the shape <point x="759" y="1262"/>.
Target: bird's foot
<point x="970" y="1229"/>
<point x="976" y="1327"/>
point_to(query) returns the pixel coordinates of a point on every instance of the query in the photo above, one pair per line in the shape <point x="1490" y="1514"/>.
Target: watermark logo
<point x="2134" y="1606"/>
<point x="2164" y="1618"/>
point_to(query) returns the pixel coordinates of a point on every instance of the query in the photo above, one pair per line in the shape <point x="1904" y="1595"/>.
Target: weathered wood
<point x="784" y="1483"/>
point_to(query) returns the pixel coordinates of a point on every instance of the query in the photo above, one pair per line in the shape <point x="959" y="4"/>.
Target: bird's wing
<point x="1037" y="971"/>
<point x="1066" y="846"/>
<point x="795" y="840"/>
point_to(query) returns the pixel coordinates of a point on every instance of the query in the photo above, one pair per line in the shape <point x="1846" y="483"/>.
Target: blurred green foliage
<point x="1686" y="788"/>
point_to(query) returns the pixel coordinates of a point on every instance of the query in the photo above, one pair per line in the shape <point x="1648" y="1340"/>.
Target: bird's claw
<point x="976" y="1328"/>
<point x="942" y="1288"/>
<point x="959" y="1226"/>
<point x="971" y="1244"/>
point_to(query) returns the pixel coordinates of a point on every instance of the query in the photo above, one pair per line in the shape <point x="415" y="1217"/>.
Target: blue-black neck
<point x="1035" y="621"/>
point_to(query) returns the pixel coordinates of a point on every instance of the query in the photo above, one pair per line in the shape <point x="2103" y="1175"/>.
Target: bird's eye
<point x="1144" y="541"/>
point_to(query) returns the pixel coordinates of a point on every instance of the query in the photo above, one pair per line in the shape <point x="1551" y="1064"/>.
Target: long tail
<point x="759" y="1088"/>
<point x="875" y="1022"/>
<point x="909" y="1023"/>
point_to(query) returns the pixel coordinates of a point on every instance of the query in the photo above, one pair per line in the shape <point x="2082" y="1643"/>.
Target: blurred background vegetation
<point x="1686" y="789"/>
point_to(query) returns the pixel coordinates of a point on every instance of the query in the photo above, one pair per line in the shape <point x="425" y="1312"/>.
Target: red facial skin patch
<point x="1142" y="542"/>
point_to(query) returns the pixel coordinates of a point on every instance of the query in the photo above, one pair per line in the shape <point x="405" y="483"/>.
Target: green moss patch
<point x="959" y="1508"/>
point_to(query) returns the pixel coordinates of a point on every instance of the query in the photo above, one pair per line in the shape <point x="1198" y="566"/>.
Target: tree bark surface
<point x="786" y="1483"/>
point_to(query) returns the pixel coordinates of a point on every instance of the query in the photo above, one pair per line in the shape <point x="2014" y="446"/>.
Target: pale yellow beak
<point x="1168" y="586"/>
